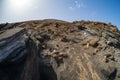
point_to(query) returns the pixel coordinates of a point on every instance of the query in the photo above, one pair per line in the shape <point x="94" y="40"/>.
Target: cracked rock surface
<point x="59" y="50"/>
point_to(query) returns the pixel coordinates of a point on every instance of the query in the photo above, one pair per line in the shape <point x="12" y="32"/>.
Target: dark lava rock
<point x="58" y="50"/>
<point x="12" y="44"/>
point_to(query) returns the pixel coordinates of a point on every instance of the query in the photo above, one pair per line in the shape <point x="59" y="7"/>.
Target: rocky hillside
<point x="59" y="50"/>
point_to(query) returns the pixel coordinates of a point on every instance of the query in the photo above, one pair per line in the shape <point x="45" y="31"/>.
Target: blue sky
<point x="68" y="10"/>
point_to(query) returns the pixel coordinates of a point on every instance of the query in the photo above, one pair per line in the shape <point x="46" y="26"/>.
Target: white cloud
<point x="71" y="8"/>
<point x="76" y="5"/>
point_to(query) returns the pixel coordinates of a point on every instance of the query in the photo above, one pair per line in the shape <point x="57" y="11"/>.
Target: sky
<point x="107" y="11"/>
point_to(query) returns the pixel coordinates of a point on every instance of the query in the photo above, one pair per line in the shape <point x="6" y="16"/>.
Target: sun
<point x="20" y="5"/>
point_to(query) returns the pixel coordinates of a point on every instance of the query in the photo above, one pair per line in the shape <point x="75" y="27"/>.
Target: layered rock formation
<point x="59" y="50"/>
<point x="12" y="43"/>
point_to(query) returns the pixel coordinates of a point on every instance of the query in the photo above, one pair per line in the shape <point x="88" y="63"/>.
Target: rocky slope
<point x="59" y="50"/>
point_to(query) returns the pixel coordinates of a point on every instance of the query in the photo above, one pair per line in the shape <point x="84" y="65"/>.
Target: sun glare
<point x="20" y="4"/>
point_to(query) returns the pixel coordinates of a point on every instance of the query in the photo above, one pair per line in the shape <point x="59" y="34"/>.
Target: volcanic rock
<point x="12" y="44"/>
<point x="59" y="50"/>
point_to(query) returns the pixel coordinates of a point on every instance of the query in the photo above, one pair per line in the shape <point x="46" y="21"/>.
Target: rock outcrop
<point x="59" y="50"/>
<point x="12" y="43"/>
